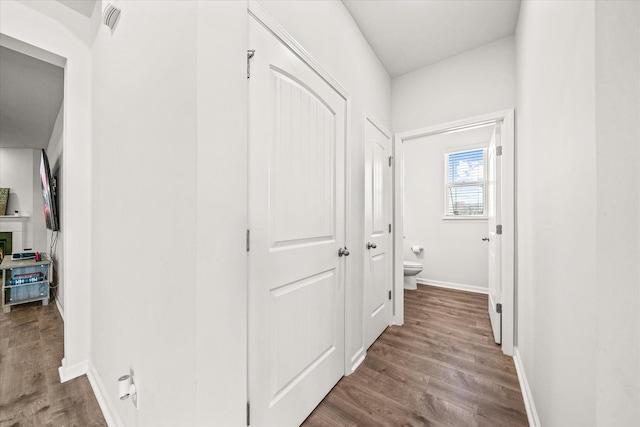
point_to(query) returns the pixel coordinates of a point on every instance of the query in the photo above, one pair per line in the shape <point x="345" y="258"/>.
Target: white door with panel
<point x="494" y="177"/>
<point x="378" y="279"/>
<point x="297" y="128"/>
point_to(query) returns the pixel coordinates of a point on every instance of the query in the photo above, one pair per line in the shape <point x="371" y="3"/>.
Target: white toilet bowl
<point x="411" y="270"/>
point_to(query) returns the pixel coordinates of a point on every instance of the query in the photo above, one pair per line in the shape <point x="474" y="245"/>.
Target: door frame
<point x="508" y="215"/>
<point x="257" y="12"/>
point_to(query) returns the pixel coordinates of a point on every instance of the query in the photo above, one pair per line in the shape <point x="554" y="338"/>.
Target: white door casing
<point x="493" y="213"/>
<point x="297" y="221"/>
<point x="377" y="221"/>
<point x="506" y="118"/>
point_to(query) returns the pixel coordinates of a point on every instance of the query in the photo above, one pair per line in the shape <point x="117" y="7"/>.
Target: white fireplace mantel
<point x="14" y="224"/>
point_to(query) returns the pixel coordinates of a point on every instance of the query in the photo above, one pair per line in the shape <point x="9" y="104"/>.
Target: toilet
<point x="411" y="270"/>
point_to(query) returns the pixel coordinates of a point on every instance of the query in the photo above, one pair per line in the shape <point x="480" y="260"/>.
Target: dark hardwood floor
<point x="31" y="348"/>
<point x="441" y="368"/>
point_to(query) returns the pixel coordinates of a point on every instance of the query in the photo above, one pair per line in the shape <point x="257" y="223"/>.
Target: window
<point x="465" y="183"/>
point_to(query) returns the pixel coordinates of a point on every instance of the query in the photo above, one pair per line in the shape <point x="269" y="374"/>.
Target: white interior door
<point x="493" y="210"/>
<point x="378" y="280"/>
<point x="297" y="226"/>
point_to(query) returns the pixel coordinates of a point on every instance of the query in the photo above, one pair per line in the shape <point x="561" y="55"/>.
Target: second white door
<point x="378" y="251"/>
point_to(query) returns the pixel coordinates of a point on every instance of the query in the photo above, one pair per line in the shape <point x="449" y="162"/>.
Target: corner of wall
<point x="106" y="404"/>
<point x="527" y="396"/>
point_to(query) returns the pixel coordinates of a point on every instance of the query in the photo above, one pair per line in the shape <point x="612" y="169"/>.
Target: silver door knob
<point x="343" y="251"/>
<point x="371" y="245"/>
<point x="485" y="239"/>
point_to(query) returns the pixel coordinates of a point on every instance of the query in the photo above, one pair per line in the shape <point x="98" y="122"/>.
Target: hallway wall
<point x="578" y="206"/>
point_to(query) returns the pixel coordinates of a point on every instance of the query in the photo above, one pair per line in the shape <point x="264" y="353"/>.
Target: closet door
<point x="297" y="127"/>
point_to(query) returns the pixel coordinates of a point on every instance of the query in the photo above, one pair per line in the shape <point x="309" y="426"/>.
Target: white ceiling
<point x="405" y="34"/>
<point x="410" y="34"/>
<point x="31" y="93"/>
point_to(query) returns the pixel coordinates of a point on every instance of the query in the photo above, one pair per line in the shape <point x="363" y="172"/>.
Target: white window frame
<point x="446" y="153"/>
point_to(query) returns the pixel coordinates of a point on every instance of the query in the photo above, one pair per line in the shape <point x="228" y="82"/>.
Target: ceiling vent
<point x="110" y="14"/>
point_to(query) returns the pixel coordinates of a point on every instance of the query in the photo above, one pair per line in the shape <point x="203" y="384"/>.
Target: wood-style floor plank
<point x="31" y="348"/>
<point x="441" y="368"/>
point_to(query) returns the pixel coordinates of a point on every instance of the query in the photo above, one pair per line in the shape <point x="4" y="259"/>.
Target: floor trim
<point x="60" y="309"/>
<point x="108" y="410"/>
<point x="527" y="396"/>
<point x="357" y="360"/>
<point x="457" y="286"/>
<point x="74" y="371"/>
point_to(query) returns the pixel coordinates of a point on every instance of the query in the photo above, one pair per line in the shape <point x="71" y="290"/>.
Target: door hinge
<point x="389" y="294"/>
<point x="499" y="150"/>
<point x="389" y="228"/>
<point x="248" y="413"/>
<point x="250" y="53"/>
<point x="499" y="229"/>
<point x="390" y="161"/>
<point x="248" y="240"/>
<point x="499" y="308"/>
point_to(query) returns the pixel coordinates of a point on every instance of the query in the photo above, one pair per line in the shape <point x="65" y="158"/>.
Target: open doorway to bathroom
<point x="455" y="213"/>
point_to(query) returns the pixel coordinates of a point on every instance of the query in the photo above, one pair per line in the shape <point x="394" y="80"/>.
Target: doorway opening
<point x="493" y="202"/>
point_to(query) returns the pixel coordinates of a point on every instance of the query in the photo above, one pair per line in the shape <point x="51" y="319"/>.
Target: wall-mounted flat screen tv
<point x="48" y="194"/>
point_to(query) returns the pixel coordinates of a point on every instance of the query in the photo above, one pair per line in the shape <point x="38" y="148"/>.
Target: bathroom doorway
<point x="457" y="248"/>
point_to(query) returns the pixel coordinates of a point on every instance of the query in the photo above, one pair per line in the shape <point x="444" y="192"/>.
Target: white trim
<point x="106" y="405"/>
<point x="60" y="309"/>
<point x="287" y="39"/>
<point x="463" y="218"/>
<point x="356" y="360"/>
<point x="377" y="123"/>
<point x="507" y="117"/>
<point x="348" y="273"/>
<point x="398" y="230"/>
<point x="450" y="285"/>
<point x="70" y="372"/>
<point x="527" y="396"/>
<point x="32" y="51"/>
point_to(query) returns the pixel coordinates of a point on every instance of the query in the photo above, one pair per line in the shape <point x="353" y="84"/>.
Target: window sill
<point x="466" y="218"/>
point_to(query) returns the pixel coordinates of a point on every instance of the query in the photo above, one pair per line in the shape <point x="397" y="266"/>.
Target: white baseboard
<point x="60" y="309"/>
<point x="106" y="405"/>
<point x="74" y="371"/>
<point x="356" y="360"/>
<point x="529" y="405"/>
<point x="449" y="285"/>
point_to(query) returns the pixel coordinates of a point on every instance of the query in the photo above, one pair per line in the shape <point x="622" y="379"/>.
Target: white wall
<point x="54" y="155"/>
<point x="170" y="270"/>
<point x="327" y="31"/>
<point x="144" y="199"/>
<point x="19" y="170"/>
<point x="454" y="253"/>
<point x="476" y="82"/>
<point x="221" y="215"/>
<point x="17" y="173"/>
<point x="577" y="129"/>
<point x="618" y="212"/>
<point x="39" y="226"/>
<point x="62" y="33"/>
